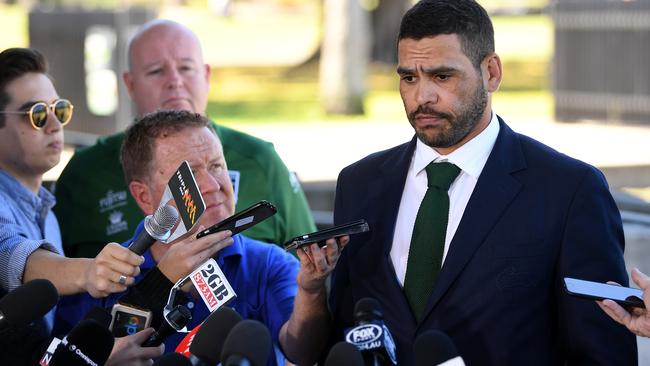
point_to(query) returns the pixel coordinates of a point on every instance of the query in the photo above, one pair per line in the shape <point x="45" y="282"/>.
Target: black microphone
<point x="172" y="359"/>
<point x="370" y="335"/>
<point x="180" y="316"/>
<point x="88" y="343"/>
<point x="248" y="344"/>
<point x="344" y="353"/>
<point x="157" y="227"/>
<point x="434" y="347"/>
<point x="27" y="303"/>
<point x="207" y="345"/>
<point x="96" y="313"/>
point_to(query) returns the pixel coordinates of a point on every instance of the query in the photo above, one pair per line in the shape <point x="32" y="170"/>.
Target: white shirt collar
<point x="470" y="158"/>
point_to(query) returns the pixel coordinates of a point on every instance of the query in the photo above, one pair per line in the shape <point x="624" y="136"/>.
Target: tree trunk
<point x="386" y="19"/>
<point x="344" y="57"/>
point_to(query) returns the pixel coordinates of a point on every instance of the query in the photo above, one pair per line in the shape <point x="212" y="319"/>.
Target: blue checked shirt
<point x="26" y="224"/>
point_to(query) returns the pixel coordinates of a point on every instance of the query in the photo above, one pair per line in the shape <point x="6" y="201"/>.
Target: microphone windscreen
<point x="249" y="340"/>
<point x="173" y="359"/>
<point x="28" y="302"/>
<point x="162" y="220"/>
<point x="367" y="309"/>
<point x="87" y="343"/>
<point x="100" y="315"/>
<point x="209" y="340"/>
<point x="344" y="353"/>
<point x="433" y="347"/>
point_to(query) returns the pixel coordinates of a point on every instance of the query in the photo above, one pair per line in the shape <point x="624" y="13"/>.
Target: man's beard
<point x="458" y="127"/>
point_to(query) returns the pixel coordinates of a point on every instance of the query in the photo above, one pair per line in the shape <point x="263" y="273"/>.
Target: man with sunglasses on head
<point x="167" y="71"/>
<point x="32" y="116"/>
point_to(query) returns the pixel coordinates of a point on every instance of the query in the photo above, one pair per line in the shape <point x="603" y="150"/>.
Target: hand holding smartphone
<point x="242" y="220"/>
<point x="625" y="296"/>
<point x="320" y="237"/>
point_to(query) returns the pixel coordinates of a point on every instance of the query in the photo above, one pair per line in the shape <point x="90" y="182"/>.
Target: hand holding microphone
<point x="116" y="267"/>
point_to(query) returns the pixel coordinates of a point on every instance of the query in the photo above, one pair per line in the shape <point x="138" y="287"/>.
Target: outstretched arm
<point x="304" y="334"/>
<point x="98" y="276"/>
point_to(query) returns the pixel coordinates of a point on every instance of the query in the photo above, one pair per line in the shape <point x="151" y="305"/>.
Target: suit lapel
<point x="387" y="191"/>
<point x="384" y="189"/>
<point x="494" y="191"/>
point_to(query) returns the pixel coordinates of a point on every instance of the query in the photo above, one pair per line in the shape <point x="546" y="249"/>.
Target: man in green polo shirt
<point x="167" y="71"/>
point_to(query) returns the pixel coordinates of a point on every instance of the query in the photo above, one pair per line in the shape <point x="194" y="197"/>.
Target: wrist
<point x="312" y="295"/>
<point x="82" y="279"/>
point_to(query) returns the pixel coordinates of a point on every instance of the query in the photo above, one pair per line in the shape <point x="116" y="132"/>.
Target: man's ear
<point x="208" y="70"/>
<point x="493" y="72"/>
<point x="142" y="196"/>
<point x="128" y="82"/>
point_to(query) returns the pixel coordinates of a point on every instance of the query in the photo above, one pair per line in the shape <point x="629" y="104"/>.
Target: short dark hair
<point x="466" y="18"/>
<point x="14" y="63"/>
<point x="137" y="148"/>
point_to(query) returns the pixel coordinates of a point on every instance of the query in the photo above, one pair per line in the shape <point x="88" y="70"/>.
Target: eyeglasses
<point x="62" y="109"/>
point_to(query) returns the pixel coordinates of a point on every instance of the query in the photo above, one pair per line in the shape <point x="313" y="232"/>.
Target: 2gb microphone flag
<point x="212" y="285"/>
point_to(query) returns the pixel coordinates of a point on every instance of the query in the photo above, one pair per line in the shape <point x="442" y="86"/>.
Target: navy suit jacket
<point x="535" y="216"/>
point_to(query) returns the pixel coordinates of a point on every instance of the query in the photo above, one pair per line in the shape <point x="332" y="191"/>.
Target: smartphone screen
<point x="128" y="320"/>
<point x="599" y="291"/>
<point x="242" y="220"/>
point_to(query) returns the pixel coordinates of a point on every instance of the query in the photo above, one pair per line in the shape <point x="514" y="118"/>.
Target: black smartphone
<point x="625" y="296"/>
<point x="355" y="227"/>
<point x="242" y="220"/>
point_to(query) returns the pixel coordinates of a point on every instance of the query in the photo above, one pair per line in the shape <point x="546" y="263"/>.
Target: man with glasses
<point x="167" y="71"/>
<point x="32" y="116"/>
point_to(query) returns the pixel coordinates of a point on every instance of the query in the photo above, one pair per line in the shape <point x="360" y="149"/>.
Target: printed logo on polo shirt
<point x="112" y="200"/>
<point x="116" y="223"/>
<point x="108" y="204"/>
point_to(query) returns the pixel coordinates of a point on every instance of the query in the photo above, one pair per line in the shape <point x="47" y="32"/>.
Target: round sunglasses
<point x="62" y="109"/>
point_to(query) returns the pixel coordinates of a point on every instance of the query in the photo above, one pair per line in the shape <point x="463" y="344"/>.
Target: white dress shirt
<point x="471" y="159"/>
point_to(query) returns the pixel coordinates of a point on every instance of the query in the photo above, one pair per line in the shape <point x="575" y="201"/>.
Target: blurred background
<point x="317" y="78"/>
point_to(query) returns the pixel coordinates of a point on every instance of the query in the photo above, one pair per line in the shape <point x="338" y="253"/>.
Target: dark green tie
<point x="428" y="239"/>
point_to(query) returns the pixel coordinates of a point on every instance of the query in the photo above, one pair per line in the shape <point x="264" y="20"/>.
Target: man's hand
<point x="317" y="263"/>
<point x="128" y="350"/>
<point x="186" y="254"/>
<point x="304" y="334"/>
<point x="638" y="321"/>
<point x="114" y="268"/>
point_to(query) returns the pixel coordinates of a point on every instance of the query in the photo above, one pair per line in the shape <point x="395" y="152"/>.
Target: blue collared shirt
<point x="262" y="275"/>
<point x="264" y="279"/>
<point x="26" y="224"/>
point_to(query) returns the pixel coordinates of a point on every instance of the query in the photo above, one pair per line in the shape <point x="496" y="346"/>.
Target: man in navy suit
<point x="521" y="216"/>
